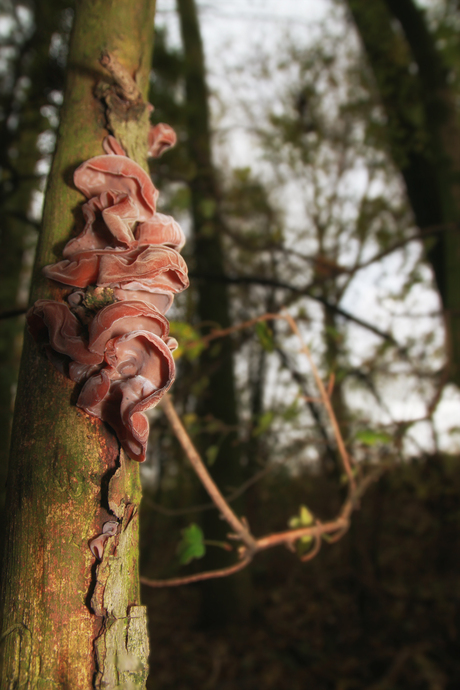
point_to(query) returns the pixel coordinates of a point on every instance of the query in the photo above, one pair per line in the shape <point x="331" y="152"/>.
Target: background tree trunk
<point x="68" y="623"/>
<point x="423" y="134"/>
<point x="222" y="599"/>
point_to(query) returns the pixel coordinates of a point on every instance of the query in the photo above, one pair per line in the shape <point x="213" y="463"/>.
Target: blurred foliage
<point x="191" y="545"/>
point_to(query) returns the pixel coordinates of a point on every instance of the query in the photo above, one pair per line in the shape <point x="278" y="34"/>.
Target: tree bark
<point x="423" y="134"/>
<point x="19" y="155"/>
<point x="66" y="621"/>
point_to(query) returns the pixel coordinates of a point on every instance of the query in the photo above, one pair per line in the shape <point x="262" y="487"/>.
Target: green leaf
<point x="291" y="412"/>
<point x="370" y="438"/>
<point x="264" y="423"/>
<point x="265" y="335"/>
<point x="186" y="334"/>
<point x="303" y="519"/>
<point x="191" y="545"/>
<point x="211" y="454"/>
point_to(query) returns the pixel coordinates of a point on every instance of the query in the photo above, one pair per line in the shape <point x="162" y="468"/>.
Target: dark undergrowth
<point x="377" y="611"/>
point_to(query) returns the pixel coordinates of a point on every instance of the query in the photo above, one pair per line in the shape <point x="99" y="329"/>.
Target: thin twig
<point x="199" y="577"/>
<point x="332" y="530"/>
<point x="206" y="479"/>
<point x="326" y="401"/>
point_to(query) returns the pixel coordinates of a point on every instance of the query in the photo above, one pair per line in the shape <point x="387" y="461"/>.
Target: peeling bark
<point x="122" y="647"/>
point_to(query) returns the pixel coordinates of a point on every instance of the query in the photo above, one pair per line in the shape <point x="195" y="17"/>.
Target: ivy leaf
<point x="368" y="437"/>
<point x="265" y="335"/>
<point x="191" y="545"/>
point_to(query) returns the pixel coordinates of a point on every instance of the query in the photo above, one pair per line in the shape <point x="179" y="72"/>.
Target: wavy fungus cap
<point x="139" y="370"/>
<point x="161" y="138"/>
<point x="150" y="267"/>
<point x="110" y="218"/>
<point x="113" y="173"/>
<point x="54" y="326"/>
<point x="161" y="229"/>
<point x="121" y="351"/>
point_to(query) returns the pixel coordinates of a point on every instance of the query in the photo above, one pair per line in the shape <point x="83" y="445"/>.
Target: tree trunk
<point x="223" y="599"/>
<point x="66" y="621"/>
<point x="19" y="155"/>
<point x="423" y="134"/>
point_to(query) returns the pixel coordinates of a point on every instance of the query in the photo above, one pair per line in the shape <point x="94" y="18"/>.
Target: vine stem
<point x="184" y="439"/>
<point x="331" y="531"/>
<point x="325" y="395"/>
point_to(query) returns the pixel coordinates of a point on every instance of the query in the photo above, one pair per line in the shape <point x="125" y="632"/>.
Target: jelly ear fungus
<point x="111" y="335"/>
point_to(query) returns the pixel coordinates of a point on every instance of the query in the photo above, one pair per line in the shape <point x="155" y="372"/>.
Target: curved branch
<point x="188" y="579"/>
<point x="184" y="439"/>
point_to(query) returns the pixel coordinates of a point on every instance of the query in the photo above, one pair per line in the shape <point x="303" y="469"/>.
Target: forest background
<point x="315" y="171"/>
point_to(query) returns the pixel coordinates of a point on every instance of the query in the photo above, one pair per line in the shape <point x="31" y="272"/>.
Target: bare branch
<point x="331" y="531"/>
<point x="199" y="577"/>
<point x="192" y="454"/>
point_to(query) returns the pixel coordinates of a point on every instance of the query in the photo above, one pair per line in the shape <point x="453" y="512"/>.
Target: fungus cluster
<point x="111" y="335"/>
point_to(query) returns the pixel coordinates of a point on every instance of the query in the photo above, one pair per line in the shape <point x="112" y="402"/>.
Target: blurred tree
<point x="423" y="133"/>
<point x="217" y="406"/>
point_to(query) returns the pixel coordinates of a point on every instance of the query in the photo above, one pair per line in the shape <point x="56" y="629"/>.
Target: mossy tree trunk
<point x="19" y="155"/>
<point x="423" y="134"/>
<point x="66" y="621"/>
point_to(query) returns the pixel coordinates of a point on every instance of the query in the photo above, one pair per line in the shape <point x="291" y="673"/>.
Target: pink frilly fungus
<point x="97" y="545"/>
<point x="161" y="138"/>
<point x="112" y="336"/>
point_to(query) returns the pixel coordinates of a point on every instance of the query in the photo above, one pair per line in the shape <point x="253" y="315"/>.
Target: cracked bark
<point x="67" y="623"/>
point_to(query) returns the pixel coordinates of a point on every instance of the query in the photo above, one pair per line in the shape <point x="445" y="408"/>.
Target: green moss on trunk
<point x="63" y="462"/>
